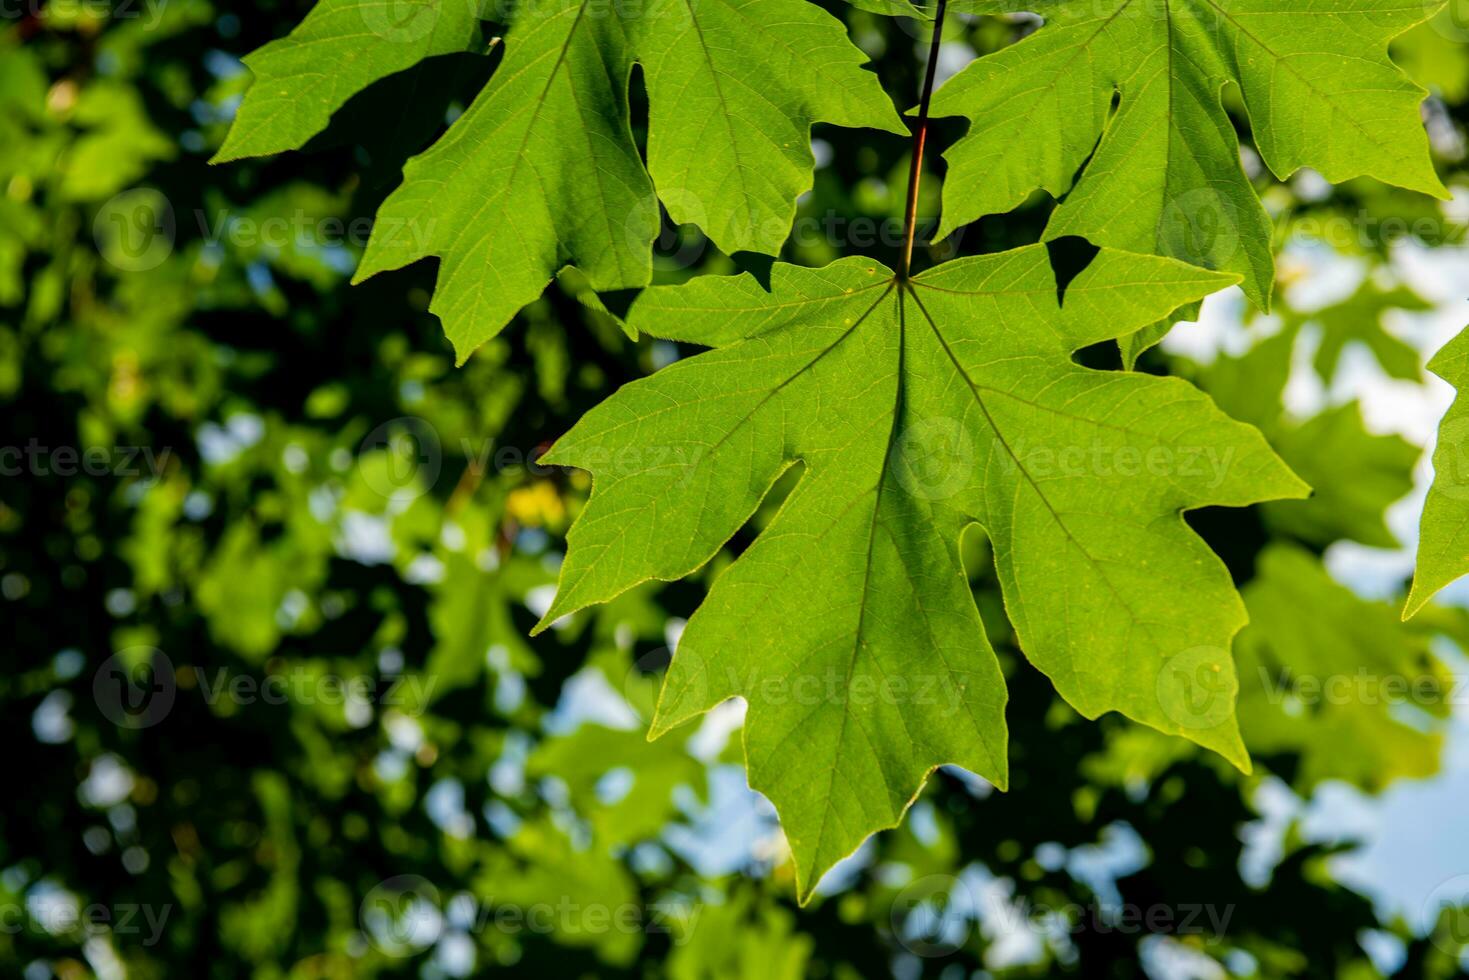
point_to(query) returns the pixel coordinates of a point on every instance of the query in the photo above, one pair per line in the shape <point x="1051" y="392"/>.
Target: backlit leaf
<point x="917" y="410"/>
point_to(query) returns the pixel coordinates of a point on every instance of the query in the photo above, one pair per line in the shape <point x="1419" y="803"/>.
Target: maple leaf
<point x="542" y="171"/>
<point x="341" y="47"/>
<point x="1360" y="319"/>
<point x="541" y="866"/>
<point x="583" y="758"/>
<point x="1162" y="171"/>
<point x="1336" y="679"/>
<point x="1443" y="530"/>
<point x="918" y="408"/>
<point x="471" y="614"/>
<point x="1139" y="342"/>
<point x="1356" y="474"/>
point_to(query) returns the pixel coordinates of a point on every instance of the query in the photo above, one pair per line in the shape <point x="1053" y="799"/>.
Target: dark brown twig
<point x="920" y="134"/>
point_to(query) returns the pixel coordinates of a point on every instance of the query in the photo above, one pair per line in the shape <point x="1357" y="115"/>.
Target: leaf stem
<point x="920" y="134"/>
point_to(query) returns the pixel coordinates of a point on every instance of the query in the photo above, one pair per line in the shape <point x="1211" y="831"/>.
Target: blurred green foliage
<point x="269" y="563"/>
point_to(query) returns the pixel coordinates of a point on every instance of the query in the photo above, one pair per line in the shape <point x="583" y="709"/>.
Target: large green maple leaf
<point x="1443" y="530"/>
<point x="1162" y="171"/>
<point x="341" y="47"/>
<point x="917" y="409"/>
<point x="543" y="171"/>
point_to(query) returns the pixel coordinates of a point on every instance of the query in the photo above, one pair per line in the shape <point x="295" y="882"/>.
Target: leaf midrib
<point x="1020" y="468"/>
<point x="882" y="476"/>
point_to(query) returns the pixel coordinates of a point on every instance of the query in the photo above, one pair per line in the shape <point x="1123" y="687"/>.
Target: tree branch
<point x="920" y="134"/>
